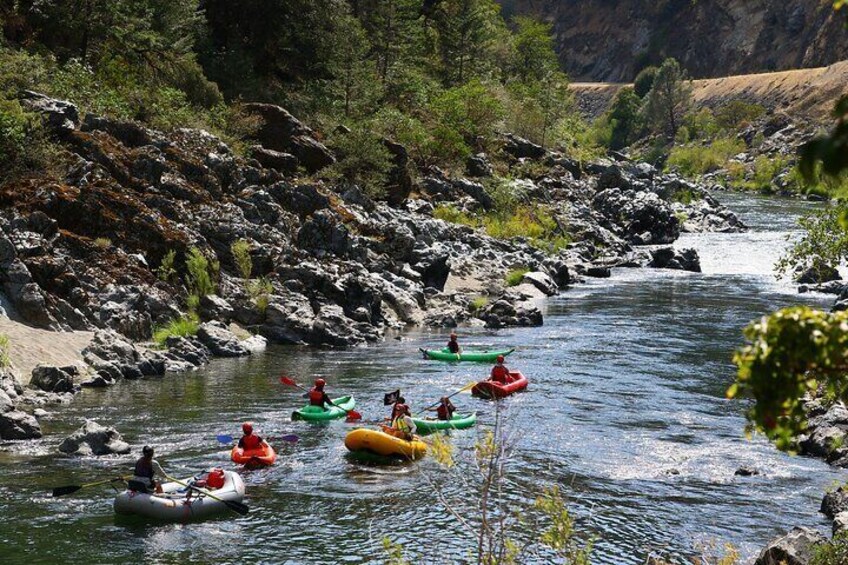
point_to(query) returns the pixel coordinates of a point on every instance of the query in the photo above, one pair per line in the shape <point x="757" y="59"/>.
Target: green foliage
<point x="827" y="154"/>
<point x="534" y="55"/>
<point x="668" y="100"/>
<point x="624" y="118"/>
<point x="4" y="351"/>
<point x="701" y="125"/>
<point x="166" y="271"/>
<point x="450" y="213"/>
<point x="834" y="552"/>
<point x="23" y="146"/>
<point x="828" y="186"/>
<point x="824" y="238"/>
<point x="695" y="159"/>
<point x="581" y="141"/>
<point x="469" y="111"/>
<point x="201" y="273"/>
<point x="644" y="81"/>
<point x="738" y="114"/>
<point x="102" y="243"/>
<point x="185" y="326"/>
<point x="363" y="160"/>
<point x="241" y="257"/>
<point x="763" y="173"/>
<point x="560" y="535"/>
<point x="478" y="303"/>
<point x="535" y="108"/>
<point x="467" y="32"/>
<point x="789" y="353"/>
<point x="260" y="292"/>
<point x="515" y="276"/>
<point x="394" y="553"/>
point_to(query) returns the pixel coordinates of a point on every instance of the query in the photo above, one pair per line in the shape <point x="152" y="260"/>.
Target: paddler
<point x="500" y="374"/>
<point x="446" y="409"/>
<point x="146" y="471"/>
<point x="402" y="424"/>
<point x="249" y="440"/>
<point x="317" y="396"/>
<point x="453" y="344"/>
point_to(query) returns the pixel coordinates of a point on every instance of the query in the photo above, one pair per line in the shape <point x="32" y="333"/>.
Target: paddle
<point x="352" y="415"/>
<point x="469" y="386"/>
<point x="62" y="491"/>
<point x="237" y="507"/>
<point x="228" y="439"/>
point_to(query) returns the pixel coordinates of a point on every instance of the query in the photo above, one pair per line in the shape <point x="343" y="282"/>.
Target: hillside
<point x="610" y="41"/>
<point x="804" y="93"/>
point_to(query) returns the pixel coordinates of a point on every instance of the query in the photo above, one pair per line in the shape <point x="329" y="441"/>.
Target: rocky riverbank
<point x="87" y="250"/>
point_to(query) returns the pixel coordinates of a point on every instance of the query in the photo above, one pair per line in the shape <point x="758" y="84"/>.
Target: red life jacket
<point x="398" y="410"/>
<point x="453" y="346"/>
<point x="316" y="397"/>
<point x="443" y="412"/>
<point x="215" y="479"/>
<point x="500" y="374"/>
<point x="251" y="441"/>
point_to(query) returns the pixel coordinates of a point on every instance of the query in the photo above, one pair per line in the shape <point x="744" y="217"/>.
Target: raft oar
<point x="62" y="491"/>
<point x="228" y="439"/>
<point x="237" y="507"/>
<point x="352" y="415"/>
<point x="469" y="386"/>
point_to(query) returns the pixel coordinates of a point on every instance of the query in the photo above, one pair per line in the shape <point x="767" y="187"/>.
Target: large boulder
<point x="521" y="148"/>
<point x="322" y="234"/>
<point x="816" y="271"/>
<point x="835" y="502"/>
<point x="15" y="424"/>
<point x="671" y="258"/>
<point x="399" y="181"/>
<point x="54" y="379"/>
<point x="94" y="439"/>
<point x="282" y="162"/>
<point x="282" y="132"/>
<point x="795" y="548"/>
<point x="541" y="281"/>
<point x="220" y="341"/>
<point x="641" y="217"/>
<point x="59" y="116"/>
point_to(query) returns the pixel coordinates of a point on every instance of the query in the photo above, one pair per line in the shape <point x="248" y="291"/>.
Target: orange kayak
<point x="261" y="456"/>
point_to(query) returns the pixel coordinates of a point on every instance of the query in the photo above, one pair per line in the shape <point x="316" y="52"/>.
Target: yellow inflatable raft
<point x="381" y="443"/>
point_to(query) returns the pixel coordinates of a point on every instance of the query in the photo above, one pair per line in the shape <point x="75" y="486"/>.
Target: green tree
<point x="625" y="118"/>
<point x="355" y="85"/>
<point x="668" y="100"/>
<point x="363" y="161"/>
<point x="470" y="110"/>
<point x="465" y="34"/>
<point x="534" y="57"/>
<point x="644" y="81"/>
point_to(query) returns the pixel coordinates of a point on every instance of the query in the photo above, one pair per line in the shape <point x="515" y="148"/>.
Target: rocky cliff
<point x="610" y="40"/>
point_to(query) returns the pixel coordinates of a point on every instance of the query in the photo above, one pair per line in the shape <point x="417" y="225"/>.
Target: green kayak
<point x="484" y="356"/>
<point x="458" y="422"/>
<point x="318" y="414"/>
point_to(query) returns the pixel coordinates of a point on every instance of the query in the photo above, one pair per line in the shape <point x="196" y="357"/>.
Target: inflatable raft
<point x="387" y="445"/>
<point x="458" y="422"/>
<point x="262" y="456"/>
<point x="174" y="504"/>
<point x="318" y="414"/>
<point x="473" y="355"/>
<point x="491" y="389"/>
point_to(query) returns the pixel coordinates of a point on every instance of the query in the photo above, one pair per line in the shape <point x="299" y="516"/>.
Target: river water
<point x="625" y="411"/>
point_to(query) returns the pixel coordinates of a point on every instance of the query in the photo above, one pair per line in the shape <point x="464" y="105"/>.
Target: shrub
<point x="179" y="327"/>
<point x="515" y="276"/>
<point x="260" y="292"/>
<point x="694" y="160"/>
<point x="452" y="214"/>
<point x="166" y="271"/>
<point x="201" y="273"/>
<point x="103" y="243"/>
<point x="822" y="184"/>
<point x="833" y="553"/>
<point x="644" y="81"/>
<point x="241" y="257"/>
<point x="701" y="125"/>
<point x="764" y="170"/>
<point x="24" y="147"/>
<point x="478" y="304"/>
<point x="363" y="161"/>
<point x="737" y="114"/>
<point x="4" y="351"/>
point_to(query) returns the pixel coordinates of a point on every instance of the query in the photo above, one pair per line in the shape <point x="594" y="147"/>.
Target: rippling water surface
<point x="625" y="410"/>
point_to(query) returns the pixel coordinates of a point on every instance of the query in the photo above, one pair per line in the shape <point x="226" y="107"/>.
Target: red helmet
<point x="453" y="336"/>
<point x="247" y="428"/>
<point x="320" y="383"/>
<point x="500" y="358"/>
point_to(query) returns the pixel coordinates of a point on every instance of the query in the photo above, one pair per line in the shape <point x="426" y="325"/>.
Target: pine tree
<point x="669" y="98"/>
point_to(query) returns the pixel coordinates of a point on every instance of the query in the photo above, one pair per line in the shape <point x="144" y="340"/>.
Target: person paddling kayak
<point x="500" y="374"/>
<point x="317" y="396"/>
<point x="249" y="440"/>
<point x="402" y="423"/>
<point x="453" y="344"/>
<point x="446" y="409"/>
<point x="147" y="469"/>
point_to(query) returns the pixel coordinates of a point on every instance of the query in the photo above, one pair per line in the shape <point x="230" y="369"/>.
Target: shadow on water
<point x="625" y="408"/>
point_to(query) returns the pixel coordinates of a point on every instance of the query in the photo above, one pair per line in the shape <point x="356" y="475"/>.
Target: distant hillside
<point x="610" y="40"/>
<point x="804" y="93"/>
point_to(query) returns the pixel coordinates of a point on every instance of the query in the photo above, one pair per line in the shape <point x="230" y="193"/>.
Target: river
<point x="625" y="410"/>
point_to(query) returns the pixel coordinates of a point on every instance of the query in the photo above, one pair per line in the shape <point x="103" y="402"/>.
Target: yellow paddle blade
<point x="469" y="386"/>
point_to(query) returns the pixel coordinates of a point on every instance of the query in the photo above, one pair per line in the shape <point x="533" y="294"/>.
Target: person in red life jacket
<point x="398" y="408"/>
<point x="249" y="440"/>
<point x="402" y="424"/>
<point x="317" y="396"/>
<point x="500" y="374"/>
<point x="146" y="471"/>
<point x="446" y="409"/>
<point x="453" y="344"/>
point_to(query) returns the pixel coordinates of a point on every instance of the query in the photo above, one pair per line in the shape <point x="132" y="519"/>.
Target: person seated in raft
<point x="446" y="409"/>
<point x="146" y="471"/>
<point x="403" y="425"/>
<point x="500" y="374"/>
<point x="317" y="396"/>
<point x="398" y="408"/>
<point x="249" y="440"/>
<point x="453" y="344"/>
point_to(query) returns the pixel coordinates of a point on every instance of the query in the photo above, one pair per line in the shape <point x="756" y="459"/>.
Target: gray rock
<point x="94" y="439"/>
<point x="822" y="441"/>
<point x="671" y="258"/>
<point x="478" y="166"/>
<point x="52" y="379"/>
<point x="816" y="272"/>
<point x="220" y="340"/>
<point x="255" y="344"/>
<point x="283" y="132"/>
<point x="60" y="116"/>
<point x="213" y="307"/>
<point x="795" y="548"/>
<point x="521" y="148"/>
<point x="834" y="502"/>
<point x="840" y="523"/>
<point x="542" y="282"/>
<point x="277" y="160"/>
<point x="18" y="425"/>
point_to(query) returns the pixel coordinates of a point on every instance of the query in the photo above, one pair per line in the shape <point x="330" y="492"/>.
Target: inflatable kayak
<point x="259" y="457"/>
<point x="458" y="422"/>
<point x="474" y="355"/>
<point x="318" y="414"/>
<point x="387" y="445"/>
<point x="174" y="504"/>
<point x="491" y="389"/>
